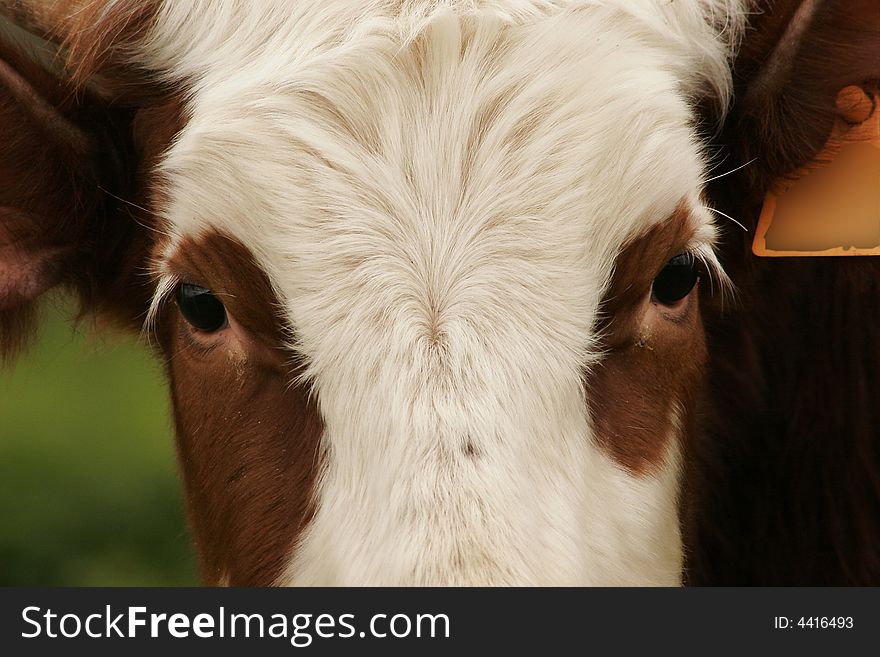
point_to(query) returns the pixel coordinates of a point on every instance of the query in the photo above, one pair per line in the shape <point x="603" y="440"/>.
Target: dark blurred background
<point x="89" y="492"/>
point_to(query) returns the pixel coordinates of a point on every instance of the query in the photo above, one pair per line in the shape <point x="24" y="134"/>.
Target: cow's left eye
<point x="201" y="308"/>
<point x="675" y="280"/>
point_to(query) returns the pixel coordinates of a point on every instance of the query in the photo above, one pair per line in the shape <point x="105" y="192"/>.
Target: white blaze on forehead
<point x="440" y="217"/>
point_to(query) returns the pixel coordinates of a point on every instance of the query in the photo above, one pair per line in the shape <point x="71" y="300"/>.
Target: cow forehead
<point x="480" y="168"/>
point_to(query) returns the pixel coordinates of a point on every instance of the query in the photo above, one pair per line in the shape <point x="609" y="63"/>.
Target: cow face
<point x="425" y="280"/>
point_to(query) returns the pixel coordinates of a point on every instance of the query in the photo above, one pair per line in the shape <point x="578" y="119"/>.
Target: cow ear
<point x="63" y="169"/>
<point x="795" y="57"/>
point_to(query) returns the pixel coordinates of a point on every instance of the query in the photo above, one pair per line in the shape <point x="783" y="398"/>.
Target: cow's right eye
<point x="201" y="308"/>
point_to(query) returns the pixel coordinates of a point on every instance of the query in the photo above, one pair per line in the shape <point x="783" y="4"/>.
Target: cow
<point x="427" y="277"/>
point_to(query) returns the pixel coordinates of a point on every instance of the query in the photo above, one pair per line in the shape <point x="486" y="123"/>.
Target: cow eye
<point x="676" y="279"/>
<point x="201" y="308"/>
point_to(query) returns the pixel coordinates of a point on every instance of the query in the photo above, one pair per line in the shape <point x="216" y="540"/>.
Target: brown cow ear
<point x="63" y="166"/>
<point x="795" y="57"/>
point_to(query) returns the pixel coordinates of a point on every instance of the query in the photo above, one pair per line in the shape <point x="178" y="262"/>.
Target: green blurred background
<point x="89" y="493"/>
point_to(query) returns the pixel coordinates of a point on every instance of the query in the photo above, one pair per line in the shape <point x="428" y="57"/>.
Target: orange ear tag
<point x="831" y="206"/>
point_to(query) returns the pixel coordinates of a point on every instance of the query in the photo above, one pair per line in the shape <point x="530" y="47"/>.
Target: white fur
<point x="442" y="279"/>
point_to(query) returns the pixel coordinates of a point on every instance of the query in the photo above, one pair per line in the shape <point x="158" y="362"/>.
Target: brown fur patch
<point x="75" y="170"/>
<point x="248" y="439"/>
<point x="100" y="44"/>
<point x="653" y="363"/>
<point x="51" y="175"/>
<point x="125" y="293"/>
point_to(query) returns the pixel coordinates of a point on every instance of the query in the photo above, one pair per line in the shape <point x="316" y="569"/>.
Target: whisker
<point x="119" y="198"/>
<point x="729" y="217"/>
<point x="727" y="173"/>
<point x="135" y="205"/>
